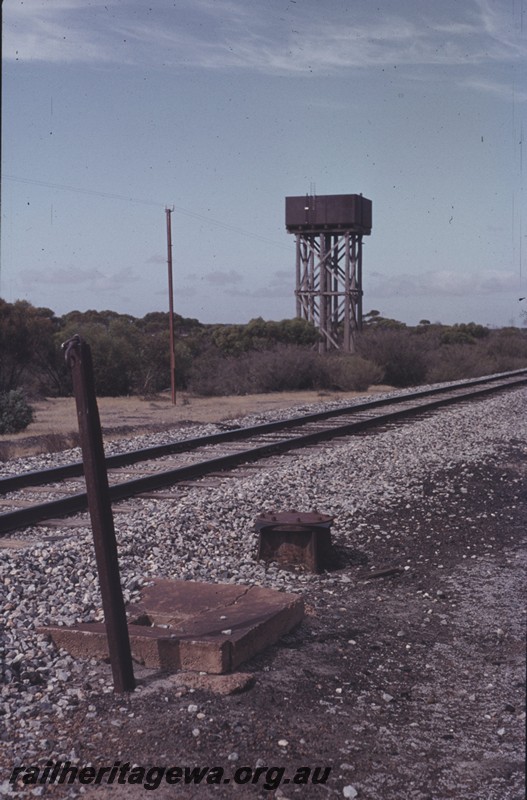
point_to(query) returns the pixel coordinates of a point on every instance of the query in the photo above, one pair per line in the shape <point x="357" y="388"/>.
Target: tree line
<point x="132" y="355"/>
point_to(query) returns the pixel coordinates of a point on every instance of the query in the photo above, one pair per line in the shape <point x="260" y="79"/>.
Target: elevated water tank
<point x="330" y="212"/>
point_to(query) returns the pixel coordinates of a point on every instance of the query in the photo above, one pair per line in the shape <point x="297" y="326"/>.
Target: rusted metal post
<point x="78" y="358"/>
<point x="168" y="212"/>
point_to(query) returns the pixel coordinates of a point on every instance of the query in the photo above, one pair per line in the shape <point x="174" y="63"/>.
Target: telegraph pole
<point x="168" y="212"/>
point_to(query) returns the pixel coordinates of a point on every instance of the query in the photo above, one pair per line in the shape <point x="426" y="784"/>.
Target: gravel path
<point x="407" y="687"/>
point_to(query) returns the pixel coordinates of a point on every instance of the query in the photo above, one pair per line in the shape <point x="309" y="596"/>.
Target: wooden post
<point x="168" y="212"/>
<point x="78" y="358"/>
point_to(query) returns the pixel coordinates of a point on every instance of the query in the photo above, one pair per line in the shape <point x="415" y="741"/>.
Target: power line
<point x="128" y="199"/>
<point x="80" y="190"/>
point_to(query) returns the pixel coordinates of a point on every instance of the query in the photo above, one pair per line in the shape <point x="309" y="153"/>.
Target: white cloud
<point x="280" y="285"/>
<point x="157" y="259"/>
<point x="117" y="280"/>
<point x="220" y="278"/>
<point x="88" y="279"/>
<point x="442" y="283"/>
<point x="185" y="291"/>
<point x="61" y="31"/>
<point x="506" y="91"/>
<point x="60" y="277"/>
<point x="266" y="38"/>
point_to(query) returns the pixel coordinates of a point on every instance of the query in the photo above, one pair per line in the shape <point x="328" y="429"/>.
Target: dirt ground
<point x="55" y="419"/>
<point x="407" y="687"/>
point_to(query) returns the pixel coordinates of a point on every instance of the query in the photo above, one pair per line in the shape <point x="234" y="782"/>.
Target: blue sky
<point x="113" y="110"/>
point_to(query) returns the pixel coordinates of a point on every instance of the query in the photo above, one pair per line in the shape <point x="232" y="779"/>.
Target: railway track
<point x="33" y="497"/>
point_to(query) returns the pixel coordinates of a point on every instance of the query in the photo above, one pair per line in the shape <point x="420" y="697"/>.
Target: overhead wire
<point x="157" y="204"/>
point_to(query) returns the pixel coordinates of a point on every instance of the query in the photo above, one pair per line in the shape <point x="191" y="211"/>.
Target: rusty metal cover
<point x="302" y="518"/>
<point x="295" y="539"/>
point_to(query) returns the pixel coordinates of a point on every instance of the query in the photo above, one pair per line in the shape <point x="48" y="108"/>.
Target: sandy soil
<point x="55" y="418"/>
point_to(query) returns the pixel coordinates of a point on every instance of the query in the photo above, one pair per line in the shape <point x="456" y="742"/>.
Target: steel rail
<point x="75" y="469"/>
<point x="77" y="503"/>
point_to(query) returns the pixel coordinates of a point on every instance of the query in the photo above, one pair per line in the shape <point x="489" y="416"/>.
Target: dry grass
<point x="55" y="419"/>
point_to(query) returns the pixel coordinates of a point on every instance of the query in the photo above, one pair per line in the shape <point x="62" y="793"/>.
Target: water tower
<point x="329" y="231"/>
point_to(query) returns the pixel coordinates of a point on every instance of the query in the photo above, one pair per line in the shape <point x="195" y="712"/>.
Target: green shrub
<point x="463" y="333"/>
<point x="26" y="344"/>
<point x="456" y="362"/>
<point x="283" y="369"/>
<point x="508" y="347"/>
<point x="15" y="413"/>
<point x="352" y="373"/>
<point x="399" y="353"/>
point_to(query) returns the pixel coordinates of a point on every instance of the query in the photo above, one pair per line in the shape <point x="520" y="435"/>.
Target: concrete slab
<point x="182" y="625"/>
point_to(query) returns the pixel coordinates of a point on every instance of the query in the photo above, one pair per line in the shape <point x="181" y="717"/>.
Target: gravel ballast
<point x="407" y="686"/>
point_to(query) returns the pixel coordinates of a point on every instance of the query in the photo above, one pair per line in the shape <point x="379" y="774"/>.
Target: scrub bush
<point x="351" y="373"/>
<point x="283" y="369"/>
<point x="15" y="413"/>
<point x="401" y="355"/>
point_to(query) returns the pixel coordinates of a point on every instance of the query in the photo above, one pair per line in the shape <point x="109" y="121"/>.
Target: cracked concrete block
<point x="209" y="628"/>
